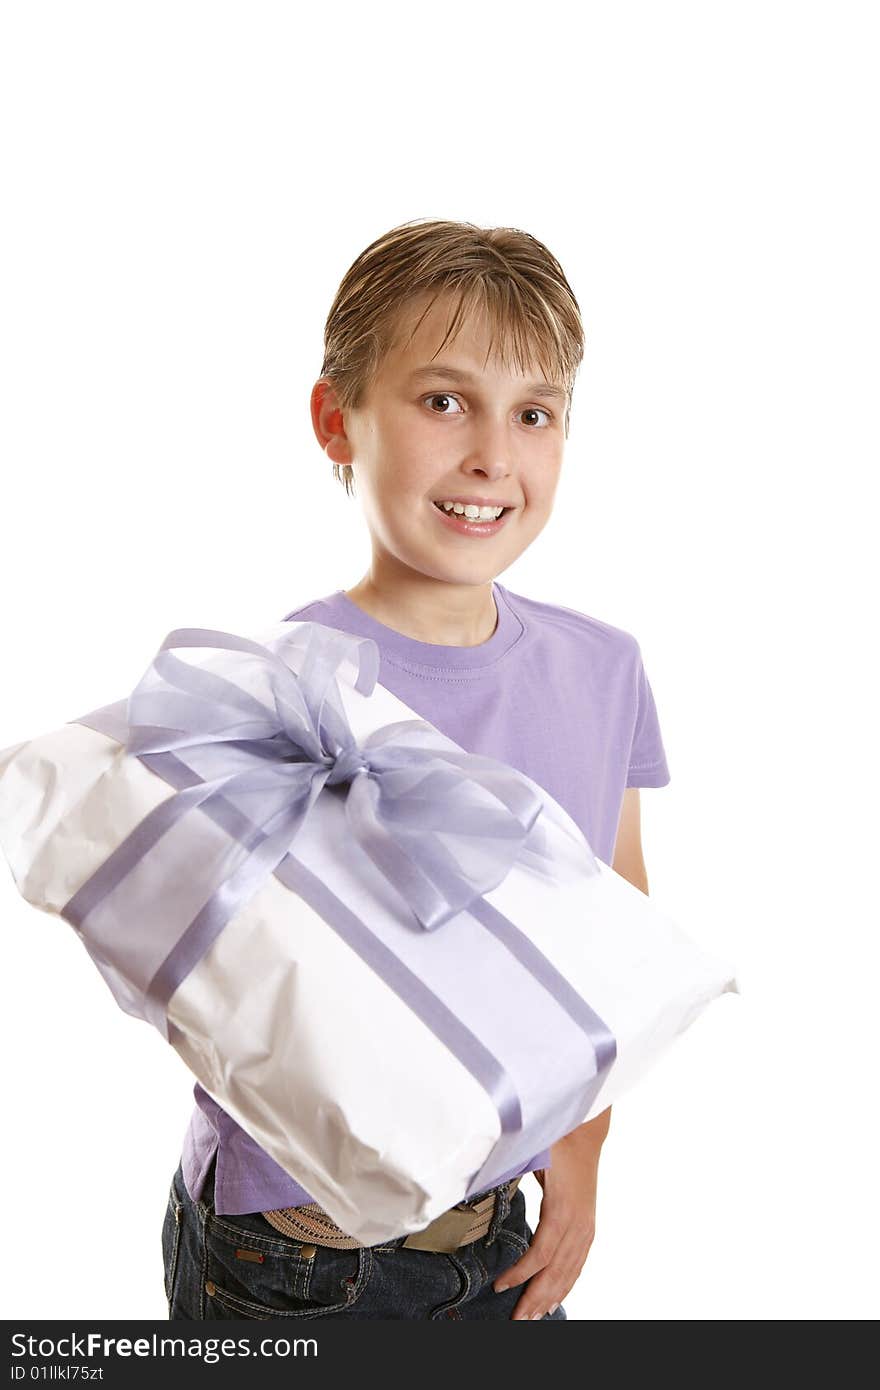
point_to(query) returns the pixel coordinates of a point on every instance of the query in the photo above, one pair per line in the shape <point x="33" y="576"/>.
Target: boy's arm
<point x="628" y="860"/>
<point x="567" y="1223"/>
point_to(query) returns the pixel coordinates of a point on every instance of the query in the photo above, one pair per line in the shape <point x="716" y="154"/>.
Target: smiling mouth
<point x="473" y="520"/>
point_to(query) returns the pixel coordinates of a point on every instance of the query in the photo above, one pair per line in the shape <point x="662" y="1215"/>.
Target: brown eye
<point x="537" y="410"/>
<point x="442" y="396"/>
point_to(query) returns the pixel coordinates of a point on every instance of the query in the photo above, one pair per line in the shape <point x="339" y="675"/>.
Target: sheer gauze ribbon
<point x="443" y="826"/>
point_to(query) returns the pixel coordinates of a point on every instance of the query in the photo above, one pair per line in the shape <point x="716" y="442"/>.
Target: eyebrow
<point x="534" y="388"/>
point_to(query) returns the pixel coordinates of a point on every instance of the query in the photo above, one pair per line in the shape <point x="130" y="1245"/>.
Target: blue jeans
<point x="241" y="1267"/>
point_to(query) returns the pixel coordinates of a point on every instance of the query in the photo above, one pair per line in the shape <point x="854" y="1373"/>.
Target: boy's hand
<point x="566" y="1225"/>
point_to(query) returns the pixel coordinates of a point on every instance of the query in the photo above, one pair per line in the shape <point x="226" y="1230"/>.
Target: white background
<point x="185" y="184"/>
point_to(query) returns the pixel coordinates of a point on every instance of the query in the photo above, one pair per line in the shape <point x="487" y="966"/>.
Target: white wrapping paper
<point x="334" y="1074"/>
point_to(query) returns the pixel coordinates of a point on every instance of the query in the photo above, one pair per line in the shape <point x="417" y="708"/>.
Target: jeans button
<point x="308" y="1252"/>
<point x="210" y="1288"/>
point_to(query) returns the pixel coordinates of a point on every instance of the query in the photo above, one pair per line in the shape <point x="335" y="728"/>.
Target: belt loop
<point x="501" y="1212"/>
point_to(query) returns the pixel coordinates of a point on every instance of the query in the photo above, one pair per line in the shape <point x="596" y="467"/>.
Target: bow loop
<point x="443" y="826"/>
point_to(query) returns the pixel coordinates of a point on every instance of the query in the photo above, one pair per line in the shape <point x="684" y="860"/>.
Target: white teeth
<point x="472" y="512"/>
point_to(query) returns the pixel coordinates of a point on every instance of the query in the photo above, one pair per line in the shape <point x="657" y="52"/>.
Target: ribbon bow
<point x="444" y="826"/>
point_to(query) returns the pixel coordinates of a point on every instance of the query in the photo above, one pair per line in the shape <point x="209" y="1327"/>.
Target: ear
<point x="328" y="422"/>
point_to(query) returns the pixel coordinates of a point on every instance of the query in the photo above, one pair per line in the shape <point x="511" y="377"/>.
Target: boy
<point x="445" y="392"/>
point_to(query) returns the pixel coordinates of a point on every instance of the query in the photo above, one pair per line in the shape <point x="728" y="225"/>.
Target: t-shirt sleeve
<point x="647" y="758"/>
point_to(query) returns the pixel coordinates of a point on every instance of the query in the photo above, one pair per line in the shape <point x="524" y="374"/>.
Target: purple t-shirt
<point x="559" y="695"/>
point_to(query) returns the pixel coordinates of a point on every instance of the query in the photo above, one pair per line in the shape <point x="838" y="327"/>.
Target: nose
<point x="490" y="450"/>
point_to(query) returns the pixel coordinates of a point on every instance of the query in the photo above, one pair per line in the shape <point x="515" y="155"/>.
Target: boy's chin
<point x="474" y="573"/>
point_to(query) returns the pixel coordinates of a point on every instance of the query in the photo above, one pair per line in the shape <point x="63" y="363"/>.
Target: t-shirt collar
<point x="404" y="650"/>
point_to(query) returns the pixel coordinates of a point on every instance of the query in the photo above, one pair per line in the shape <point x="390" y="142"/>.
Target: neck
<point x="426" y="609"/>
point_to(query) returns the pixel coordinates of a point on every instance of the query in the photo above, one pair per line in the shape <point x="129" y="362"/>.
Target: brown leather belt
<point x="463" y="1223"/>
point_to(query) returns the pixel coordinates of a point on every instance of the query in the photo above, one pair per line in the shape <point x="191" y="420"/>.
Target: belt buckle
<point x="445" y="1232"/>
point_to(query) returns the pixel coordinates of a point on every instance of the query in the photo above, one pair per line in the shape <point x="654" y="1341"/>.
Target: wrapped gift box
<point x="398" y="965"/>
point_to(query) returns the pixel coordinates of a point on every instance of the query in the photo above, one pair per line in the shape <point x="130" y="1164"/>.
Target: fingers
<point x="549" y="1236"/>
<point x="538" y="1255"/>
<point x="548" y="1277"/>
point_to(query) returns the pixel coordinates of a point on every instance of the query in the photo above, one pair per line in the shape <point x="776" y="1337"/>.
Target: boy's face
<point x="455" y="427"/>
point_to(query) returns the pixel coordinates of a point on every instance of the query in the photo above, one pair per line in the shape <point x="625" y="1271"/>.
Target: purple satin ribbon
<point x="443" y="826"/>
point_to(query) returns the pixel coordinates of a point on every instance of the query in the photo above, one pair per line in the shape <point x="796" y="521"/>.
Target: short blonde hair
<point x="505" y="272"/>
